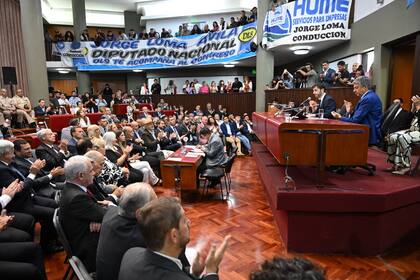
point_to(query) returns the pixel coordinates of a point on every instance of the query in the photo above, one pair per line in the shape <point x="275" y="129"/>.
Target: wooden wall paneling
<point x="99" y="85"/>
<point x="416" y="68"/>
<point x="66" y="86"/>
<point x="11" y="41"/>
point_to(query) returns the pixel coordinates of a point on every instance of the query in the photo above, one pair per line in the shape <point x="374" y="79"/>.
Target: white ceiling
<point x="110" y="13"/>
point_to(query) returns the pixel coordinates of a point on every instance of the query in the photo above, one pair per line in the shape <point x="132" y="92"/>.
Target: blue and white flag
<point x="210" y="48"/>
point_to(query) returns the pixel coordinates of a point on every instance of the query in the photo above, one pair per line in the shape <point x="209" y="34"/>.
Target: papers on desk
<point x="175" y="159"/>
<point x="197" y="151"/>
<point x="190" y="146"/>
<point x="194" y="155"/>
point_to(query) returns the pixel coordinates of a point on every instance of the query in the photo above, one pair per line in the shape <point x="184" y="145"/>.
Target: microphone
<point x="306" y="100"/>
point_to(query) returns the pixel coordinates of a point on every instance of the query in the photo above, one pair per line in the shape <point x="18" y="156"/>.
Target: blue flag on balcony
<point x="410" y="3"/>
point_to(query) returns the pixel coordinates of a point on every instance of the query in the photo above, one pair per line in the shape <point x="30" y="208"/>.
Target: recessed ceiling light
<point x="229" y="65"/>
<point x="232" y="62"/>
<point x="137" y="70"/>
<point x="300" y="50"/>
<point x="63" y="71"/>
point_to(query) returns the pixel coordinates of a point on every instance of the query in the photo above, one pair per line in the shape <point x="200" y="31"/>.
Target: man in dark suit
<point x="76" y="133"/>
<point x="18" y="227"/>
<point x="229" y="131"/>
<point x="368" y="110"/>
<point x="27" y="201"/>
<point x="53" y="155"/>
<point x="24" y="160"/>
<point x="395" y="118"/>
<point x="80" y="214"/>
<point x="165" y="229"/>
<point x="144" y="113"/>
<point x="326" y="102"/>
<point x="21" y="260"/>
<point x="119" y="230"/>
<point x="42" y="110"/>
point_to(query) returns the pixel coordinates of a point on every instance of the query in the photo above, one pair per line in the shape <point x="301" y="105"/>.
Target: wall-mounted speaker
<point x="9" y="75"/>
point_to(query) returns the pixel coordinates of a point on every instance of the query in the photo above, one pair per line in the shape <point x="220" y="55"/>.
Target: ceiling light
<point x="232" y="62"/>
<point x="300" y="50"/>
<point x="229" y="65"/>
<point x="137" y="70"/>
<point x="63" y="71"/>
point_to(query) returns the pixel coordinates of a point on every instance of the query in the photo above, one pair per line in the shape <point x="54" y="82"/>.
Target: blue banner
<point x="204" y="49"/>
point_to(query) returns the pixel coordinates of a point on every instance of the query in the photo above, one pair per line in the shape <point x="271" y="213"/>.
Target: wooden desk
<point x="188" y="171"/>
<point x="300" y="140"/>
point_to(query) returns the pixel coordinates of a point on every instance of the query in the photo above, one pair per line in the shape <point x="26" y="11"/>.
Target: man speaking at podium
<point x="368" y="110"/>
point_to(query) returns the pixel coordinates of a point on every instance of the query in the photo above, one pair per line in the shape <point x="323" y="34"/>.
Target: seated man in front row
<point x="80" y="214"/>
<point x="166" y="232"/>
<point x="368" y="110"/>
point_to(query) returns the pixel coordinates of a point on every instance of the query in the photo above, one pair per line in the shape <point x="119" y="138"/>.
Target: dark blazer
<point x="52" y="158"/>
<point x="41" y="184"/>
<point x="392" y="123"/>
<point x="329" y="105"/>
<point x="40" y="112"/>
<point x="71" y="146"/>
<point x="149" y="141"/>
<point x="21" y="200"/>
<point x="143" y="116"/>
<point x="368" y="111"/>
<point x="225" y="131"/>
<point x="145" y="264"/>
<point x="77" y="210"/>
<point x="98" y="193"/>
<point x="118" y="234"/>
<point x="329" y="78"/>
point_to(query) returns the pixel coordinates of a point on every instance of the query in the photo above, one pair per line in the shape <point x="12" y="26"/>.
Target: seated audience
<point x="80" y="213"/>
<point x="165" y="229"/>
<point x="23" y="109"/>
<point x="53" y="155"/>
<point x="42" y="110"/>
<point x="120" y="231"/>
<point x="229" y="131"/>
<point x="395" y="118"/>
<point x="77" y="134"/>
<point x="399" y="150"/>
<point x="241" y="133"/>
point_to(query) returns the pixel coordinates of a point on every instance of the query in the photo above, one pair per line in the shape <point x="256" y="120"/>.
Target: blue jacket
<point x="329" y="78"/>
<point x="368" y="111"/>
<point x="225" y="131"/>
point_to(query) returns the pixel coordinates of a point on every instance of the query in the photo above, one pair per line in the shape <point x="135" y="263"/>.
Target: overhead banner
<point x="204" y="49"/>
<point x="307" y="21"/>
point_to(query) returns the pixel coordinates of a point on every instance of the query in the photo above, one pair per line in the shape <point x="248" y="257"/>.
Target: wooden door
<point x="402" y="74"/>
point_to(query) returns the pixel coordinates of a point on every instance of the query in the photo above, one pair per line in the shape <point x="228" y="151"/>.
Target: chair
<point x="228" y="168"/>
<point x="415" y="151"/>
<point x="214" y="175"/>
<point x="79" y="269"/>
<point x="63" y="238"/>
<point x="57" y="196"/>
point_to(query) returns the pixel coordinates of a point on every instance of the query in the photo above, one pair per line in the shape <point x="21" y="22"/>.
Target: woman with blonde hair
<point x="117" y="150"/>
